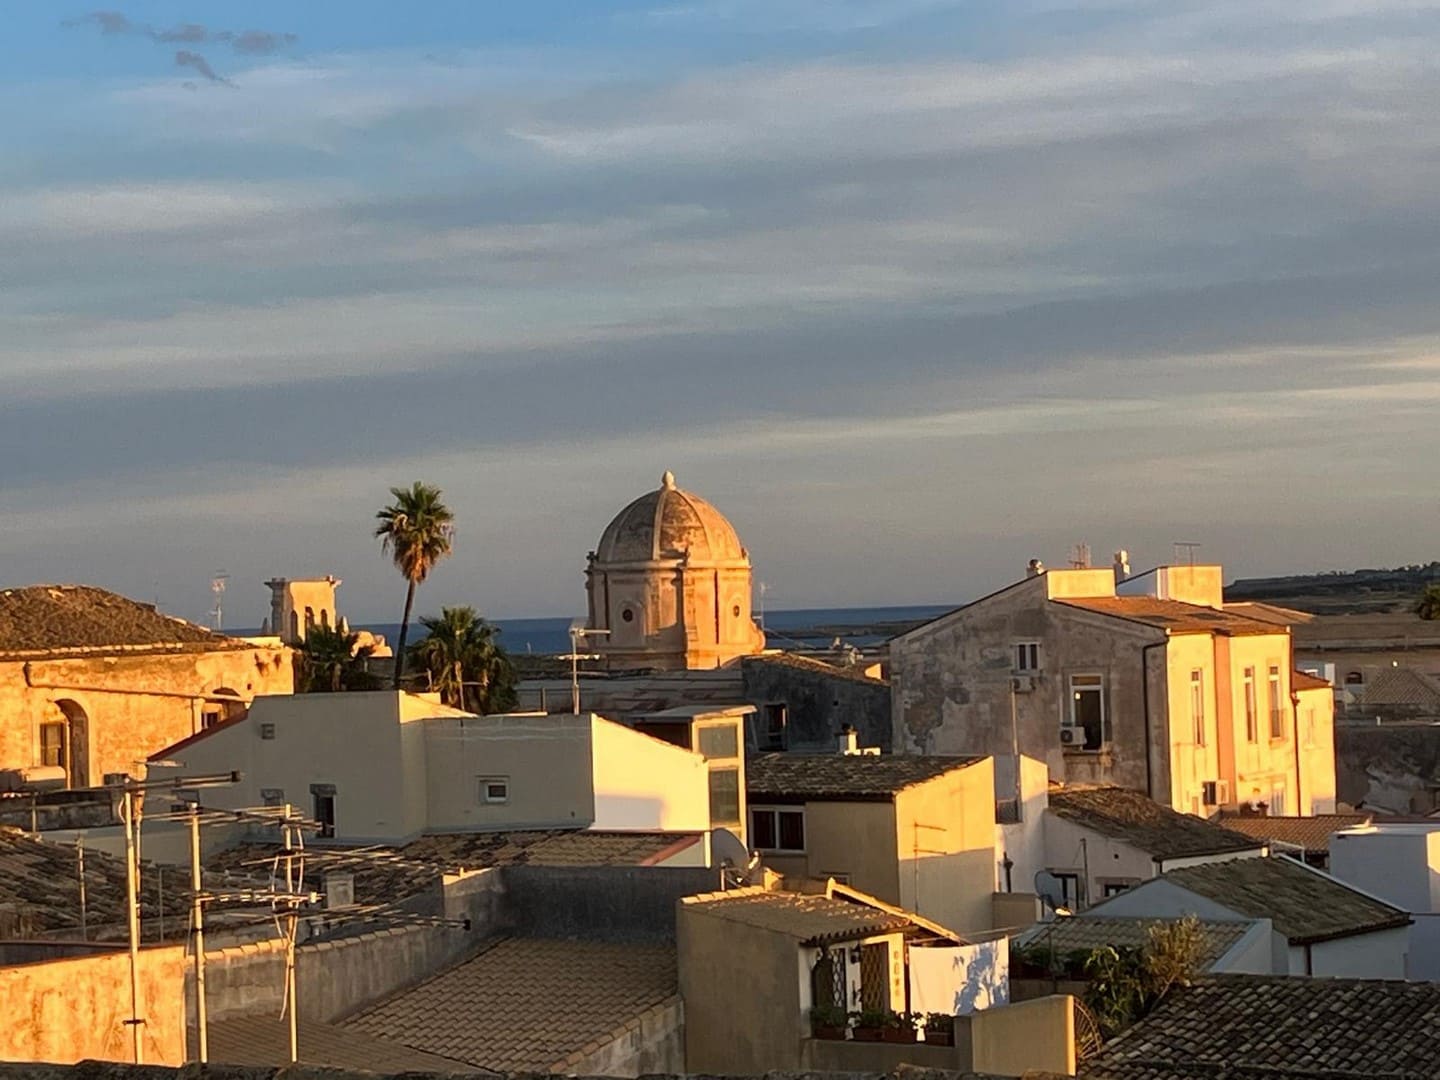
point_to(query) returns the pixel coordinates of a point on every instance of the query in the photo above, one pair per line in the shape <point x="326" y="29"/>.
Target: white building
<point x="1399" y="862"/>
<point x="386" y="766"/>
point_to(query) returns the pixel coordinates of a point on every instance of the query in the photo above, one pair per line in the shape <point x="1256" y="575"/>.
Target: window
<point x="1197" y="705"/>
<point x="52" y="744"/>
<point x="1027" y="656"/>
<point x="267" y="730"/>
<point x="325" y="809"/>
<point x="1069" y="889"/>
<point x="719" y="741"/>
<point x="309" y="619"/>
<point x="272" y="796"/>
<point x="1087" y="711"/>
<point x="1277" y="707"/>
<point x="771" y="735"/>
<point x="724" y="797"/>
<point x="776" y="828"/>
<point x="494" y="789"/>
<point x="1252" y="709"/>
<point x="1277" y="801"/>
<point x="1115" y="886"/>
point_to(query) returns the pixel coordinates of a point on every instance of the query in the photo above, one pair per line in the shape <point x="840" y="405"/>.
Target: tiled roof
<point x="1304" y="905"/>
<point x="1400" y="686"/>
<point x="47" y="620"/>
<point x="1265" y="1027"/>
<point x="1303" y="680"/>
<point x="815" y="666"/>
<point x="1087" y="932"/>
<point x="392" y="873"/>
<point x="1270" y="613"/>
<point x="264" y="1039"/>
<point x="1172" y="615"/>
<point x="1311" y="833"/>
<point x="1157" y="830"/>
<point x="842" y="776"/>
<point x="803" y="916"/>
<point x="526" y="1004"/>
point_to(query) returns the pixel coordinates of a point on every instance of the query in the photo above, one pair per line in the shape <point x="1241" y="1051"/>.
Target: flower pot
<point x="868" y="1034"/>
<point x="897" y="1035"/>
<point x="827" y="1031"/>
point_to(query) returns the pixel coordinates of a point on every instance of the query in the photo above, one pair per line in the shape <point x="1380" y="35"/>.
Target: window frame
<point x="62" y="727"/>
<point x="775" y="810"/>
<point x="1277" y="708"/>
<point x="1026" y="655"/>
<point x="1197" y="705"/>
<point x="768" y="737"/>
<point x="1098" y="687"/>
<point x="485" y="782"/>
<point x="1252" y="706"/>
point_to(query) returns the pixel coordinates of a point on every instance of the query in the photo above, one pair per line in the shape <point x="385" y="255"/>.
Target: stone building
<point x="669" y="584"/>
<point x="93" y="682"/>
<point x="1153" y="685"/>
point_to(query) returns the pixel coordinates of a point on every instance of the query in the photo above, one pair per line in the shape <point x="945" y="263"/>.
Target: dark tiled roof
<point x="264" y="1039"/>
<point x="803" y="916"/>
<point x="526" y="1004"/>
<point x="42" y="620"/>
<point x="1400" y="686"/>
<point x="1304" y="905"/>
<point x="1087" y="932"/>
<point x="392" y="873"/>
<point x="858" y="777"/>
<point x="1265" y="1027"/>
<point x="1172" y="615"/>
<point x="1303" y="680"/>
<point x="1311" y="833"/>
<point x="1157" y="830"/>
<point x="814" y="666"/>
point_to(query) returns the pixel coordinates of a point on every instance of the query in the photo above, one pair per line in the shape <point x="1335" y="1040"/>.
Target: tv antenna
<point x="1080" y="556"/>
<point x="1184" y="552"/>
<point x="217" y="588"/>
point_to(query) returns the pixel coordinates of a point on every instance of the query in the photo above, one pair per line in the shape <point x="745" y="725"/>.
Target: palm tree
<point x="1429" y="605"/>
<point x="465" y="663"/>
<point x="416" y="530"/>
<point x="328" y="661"/>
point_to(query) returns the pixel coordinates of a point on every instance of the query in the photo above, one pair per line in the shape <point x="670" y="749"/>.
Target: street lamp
<point x="579" y="630"/>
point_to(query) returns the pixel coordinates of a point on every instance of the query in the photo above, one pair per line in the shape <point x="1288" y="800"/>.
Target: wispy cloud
<point x="242" y="42"/>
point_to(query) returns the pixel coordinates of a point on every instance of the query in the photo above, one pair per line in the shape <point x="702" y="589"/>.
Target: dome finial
<point x="668" y="480"/>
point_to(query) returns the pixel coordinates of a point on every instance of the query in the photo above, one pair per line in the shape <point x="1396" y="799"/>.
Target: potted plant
<point x="940" y="1029"/>
<point x="869" y="1025"/>
<point x="899" y="1028"/>
<point x="828" y="1022"/>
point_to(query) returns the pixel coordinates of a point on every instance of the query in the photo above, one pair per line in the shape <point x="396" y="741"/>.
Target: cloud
<point x="244" y="42"/>
<point x="186" y="58"/>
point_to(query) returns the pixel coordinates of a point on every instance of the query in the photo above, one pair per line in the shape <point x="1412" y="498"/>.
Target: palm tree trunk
<point x="404" y="633"/>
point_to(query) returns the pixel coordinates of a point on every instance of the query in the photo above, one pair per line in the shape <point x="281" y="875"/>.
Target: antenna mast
<point x="217" y="587"/>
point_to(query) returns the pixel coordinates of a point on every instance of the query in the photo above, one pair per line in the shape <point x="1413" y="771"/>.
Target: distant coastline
<point x="799" y="628"/>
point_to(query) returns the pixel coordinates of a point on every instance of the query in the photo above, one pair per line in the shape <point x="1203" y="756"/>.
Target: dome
<point x="669" y="523"/>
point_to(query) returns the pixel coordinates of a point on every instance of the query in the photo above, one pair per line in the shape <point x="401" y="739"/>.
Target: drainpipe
<point x="1295" y="738"/>
<point x="1145" y="708"/>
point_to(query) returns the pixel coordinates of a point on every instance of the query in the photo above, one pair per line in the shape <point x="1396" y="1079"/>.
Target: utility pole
<point x="197" y="914"/>
<point x="578" y="631"/>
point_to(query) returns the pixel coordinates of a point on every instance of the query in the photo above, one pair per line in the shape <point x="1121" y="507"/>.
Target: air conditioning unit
<point x="1071" y="735"/>
<point x="1022" y="684"/>
<point x="1215" y="792"/>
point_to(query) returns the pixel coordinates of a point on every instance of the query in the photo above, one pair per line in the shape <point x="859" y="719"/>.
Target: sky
<point x="911" y="290"/>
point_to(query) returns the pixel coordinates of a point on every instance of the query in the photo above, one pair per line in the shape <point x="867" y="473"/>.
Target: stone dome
<point x="670" y="523"/>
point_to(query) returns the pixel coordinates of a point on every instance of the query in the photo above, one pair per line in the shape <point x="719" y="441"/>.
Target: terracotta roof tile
<point x="842" y="776"/>
<point x="1262" y="1027"/>
<point x="265" y="1040"/>
<point x="1310" y="833"/>
<point x="41" y="620"/>
<point x="1130" y="817"/>
<point x="1303" y="680"/>
<point x="1085" y="932"/>
<point x="805" y="917"/>
<point x="1304" y="905"/>
<point x="526" y="1005"/>
<point x="1172" y="615"/>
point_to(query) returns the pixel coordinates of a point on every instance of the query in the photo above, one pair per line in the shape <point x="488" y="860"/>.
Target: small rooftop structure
<point x="82" y="620"/>
<point x="1304" y="905"/>
<point x="1141" y="822"/>
<point x="1265" y="1027"/>
<point x="776" y="777"/>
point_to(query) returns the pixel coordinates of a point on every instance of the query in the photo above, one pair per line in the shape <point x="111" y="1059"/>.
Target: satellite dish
<point x="727" y="850"/>
<point x="1051" y="892"/>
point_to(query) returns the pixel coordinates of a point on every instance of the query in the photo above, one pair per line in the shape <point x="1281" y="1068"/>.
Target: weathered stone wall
<point x="1393" y="768"/>
<point x="132" y="705"/>
<point x="817" y="704"/>
<point x="68" y="1010"/>
<point x="653" y="1042"/>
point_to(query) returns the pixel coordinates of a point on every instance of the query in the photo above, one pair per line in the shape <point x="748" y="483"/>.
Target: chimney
<point x="849" y="741"/>
<point x="1122" y="565"/>
<point x="1035" y="568"/>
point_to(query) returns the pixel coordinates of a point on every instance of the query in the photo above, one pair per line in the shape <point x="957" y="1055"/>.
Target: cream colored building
<point x="911" y="830"/>
<point x="669" y="583"/>
<point x="386" y="766"/>
<point x="1152" y="684"/>
<point x="93" y="683"/>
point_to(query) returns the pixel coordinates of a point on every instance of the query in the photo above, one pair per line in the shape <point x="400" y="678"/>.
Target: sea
<point x="803" y="628"/>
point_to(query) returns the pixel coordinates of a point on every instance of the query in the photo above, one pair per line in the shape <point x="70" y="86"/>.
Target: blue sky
<point x="911" y="290"/>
